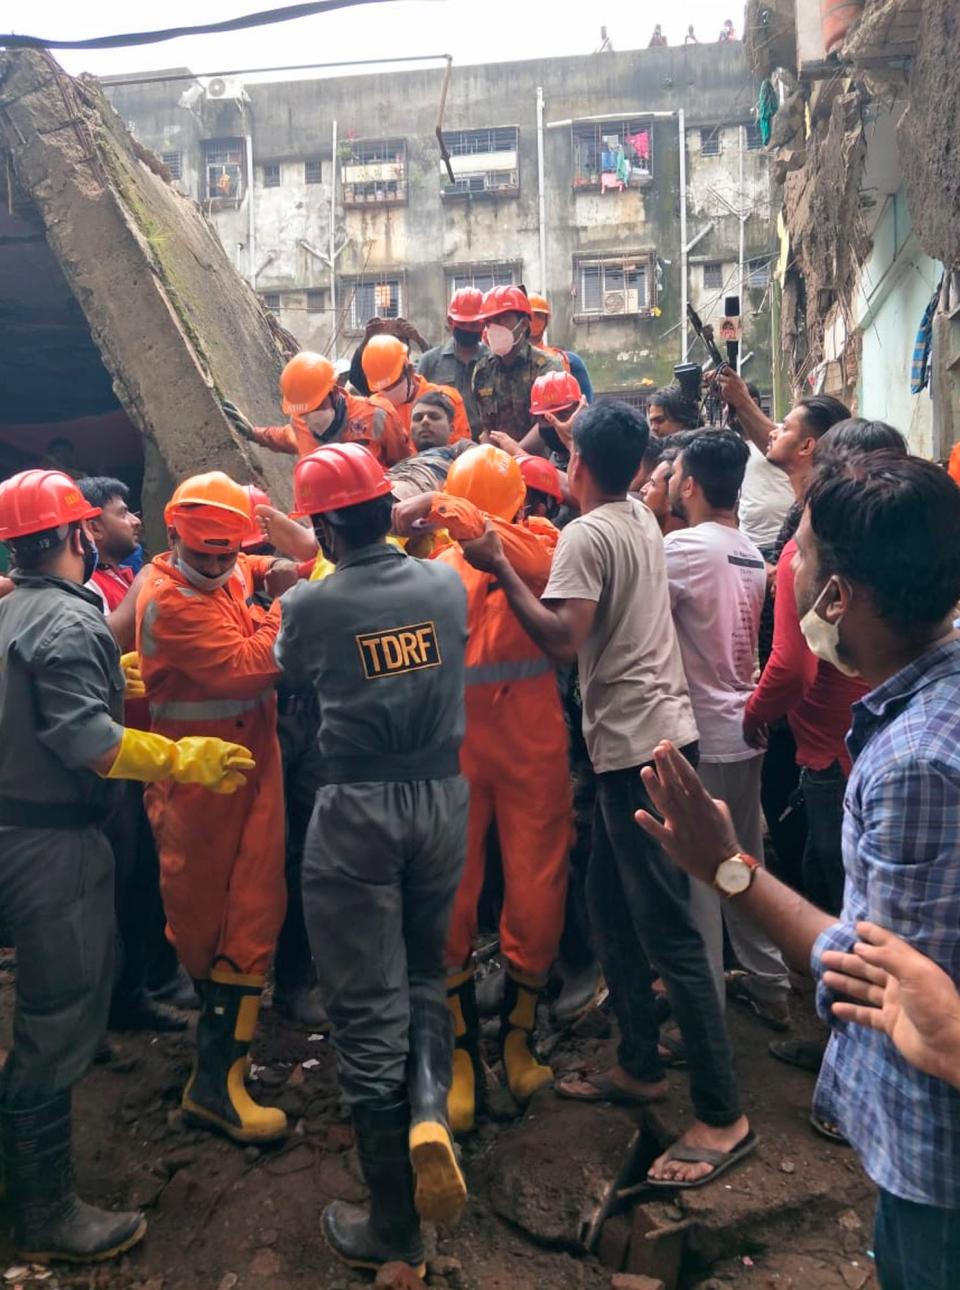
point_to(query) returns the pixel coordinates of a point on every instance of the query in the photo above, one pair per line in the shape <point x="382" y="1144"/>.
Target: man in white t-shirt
<point x="717" y="585"/>
<point x="607" y="604"/>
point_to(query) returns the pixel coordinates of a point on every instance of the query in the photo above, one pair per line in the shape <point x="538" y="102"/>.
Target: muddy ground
<point x="222" y="1218"/>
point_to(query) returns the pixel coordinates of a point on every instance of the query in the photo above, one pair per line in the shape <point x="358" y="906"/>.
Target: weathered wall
<point x="431" y="235"/>
<point x="175" y="328"/>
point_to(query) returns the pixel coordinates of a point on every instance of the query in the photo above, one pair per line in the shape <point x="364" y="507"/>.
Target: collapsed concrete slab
<point x="160" y="305"/>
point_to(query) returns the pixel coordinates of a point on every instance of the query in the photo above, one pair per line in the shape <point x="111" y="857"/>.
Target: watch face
<point x="733" y="876"/>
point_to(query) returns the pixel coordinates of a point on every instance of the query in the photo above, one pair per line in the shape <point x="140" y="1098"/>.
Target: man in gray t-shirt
<point x="607" y="604"/>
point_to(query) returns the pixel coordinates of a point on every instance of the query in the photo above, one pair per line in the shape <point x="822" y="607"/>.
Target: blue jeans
<point x="917" y="1246"/>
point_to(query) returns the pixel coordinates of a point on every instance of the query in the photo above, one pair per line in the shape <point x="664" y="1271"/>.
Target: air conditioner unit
<point x="224" y="87"/>
<point x="614" y="302"/>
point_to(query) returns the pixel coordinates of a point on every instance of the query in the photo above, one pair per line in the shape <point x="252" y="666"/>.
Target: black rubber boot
<point x="389" y="1231"/>
<point x="441" y="1192"/>
<point x="49" y="1219"/>
<point x="216" y="1096"/>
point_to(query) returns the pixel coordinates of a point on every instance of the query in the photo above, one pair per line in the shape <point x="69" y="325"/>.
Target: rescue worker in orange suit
<point x="207" y="662"/>
<point x="453" y="363"/>
<point x="321" y="411"/>
<point x="515" y="759"/>
<point x="62" y="749"/>
<point x="572" y="362"/>
<point x="395" y="385"/>
<point x="381" y="642"/>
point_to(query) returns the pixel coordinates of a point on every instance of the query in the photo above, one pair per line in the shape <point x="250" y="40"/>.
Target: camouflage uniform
<point x="502" y="388"/>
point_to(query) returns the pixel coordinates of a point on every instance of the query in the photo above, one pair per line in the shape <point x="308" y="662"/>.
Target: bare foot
<point x="638" y="1088"/>
<point x="612" y="1085"/>
<point x="699" y="1135"/>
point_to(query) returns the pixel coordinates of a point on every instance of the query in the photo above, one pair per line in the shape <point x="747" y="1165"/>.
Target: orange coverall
<point x="208" y="666"/>
<point x="461" y="424"/>
<point x="377" y="425"/>
<point x="515" y="751"/>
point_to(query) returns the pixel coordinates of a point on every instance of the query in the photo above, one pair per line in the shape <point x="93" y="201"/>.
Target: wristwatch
<point x="735" y="875"/>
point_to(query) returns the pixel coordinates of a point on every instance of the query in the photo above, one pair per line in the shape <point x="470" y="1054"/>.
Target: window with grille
<point x="483" y="277"/>
<point x="174" y="163"/>
<point x="271" y="175"/>
<point x="312" y="171"/>
<point x="710" y="142"/>
<point x="223" y="169"/>
<point x="613" y="287"/>
<point x="753" y="139"/>
<point x="484" y="162"/>
<point x="758" y="274"/>
<point x="612" y="154"/>
<point x="374" y="171"/>
<point x="368" y="300"/>
<point x="713" y="276"/>
<point x="316" y="301"/>
<point x="272" y="301"/>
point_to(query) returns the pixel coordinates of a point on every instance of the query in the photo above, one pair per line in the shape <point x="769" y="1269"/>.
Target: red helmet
<point x="36" y="500"/>
<point x="336" y="476"/>
<point x="542" y="475"/>
<point x="554" y="390"/>
<point x="505" y="300"/>
<point x="465" y="308"/>
<point x="255" y="536"/>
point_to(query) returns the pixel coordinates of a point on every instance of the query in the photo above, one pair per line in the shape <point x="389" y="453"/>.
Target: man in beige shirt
<point x="607" y="604"/>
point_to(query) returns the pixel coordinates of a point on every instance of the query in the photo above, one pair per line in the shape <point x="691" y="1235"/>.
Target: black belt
<point x="51" y="815"/>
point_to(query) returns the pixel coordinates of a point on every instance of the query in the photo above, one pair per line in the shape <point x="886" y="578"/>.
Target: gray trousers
<point x="738" y="784"/>
<point x="381" y="867"/>
<point x="56" y="891"/>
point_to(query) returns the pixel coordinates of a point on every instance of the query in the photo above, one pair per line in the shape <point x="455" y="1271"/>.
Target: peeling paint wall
<point x="422" y="242"/>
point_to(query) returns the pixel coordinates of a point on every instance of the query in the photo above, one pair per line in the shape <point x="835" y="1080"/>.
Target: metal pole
<point x="333" y="246"/>
<point x="542" y="210"/>
<point x="251" y="217"/>
<point x="741" y="204"/>
<point x="684" y="325"/>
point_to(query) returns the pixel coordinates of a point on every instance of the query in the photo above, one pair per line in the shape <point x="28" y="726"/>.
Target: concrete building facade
<point x="329" y="195"/>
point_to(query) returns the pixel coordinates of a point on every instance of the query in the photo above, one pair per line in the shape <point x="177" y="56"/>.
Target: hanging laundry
<point x="640" y="143"/>
<point x="623" y="167"/>
<point x="767" y="104"/>
<point x="920" y="367"/>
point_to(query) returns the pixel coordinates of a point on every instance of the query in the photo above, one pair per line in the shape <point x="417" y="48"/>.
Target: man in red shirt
<point x="139" y="910"/>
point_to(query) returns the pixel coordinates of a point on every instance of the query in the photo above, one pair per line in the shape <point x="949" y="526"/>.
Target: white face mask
<point x="823" y="638"/>
<point x="200" y="580"/>
<point x="500" y="339"/>
<point x="321" y="420"/>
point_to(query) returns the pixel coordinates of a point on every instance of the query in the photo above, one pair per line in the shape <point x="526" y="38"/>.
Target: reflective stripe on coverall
<point x="375" y="424"/>
<point x="515" y="751"/>
<point x="460" y="426"/>
<point x="207" y="662"/>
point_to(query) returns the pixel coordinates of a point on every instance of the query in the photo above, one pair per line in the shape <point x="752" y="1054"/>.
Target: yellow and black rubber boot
<point x="50" y="1221"/>
<point x="441" y="1191"/>
<point x="466" y="1089"/>
<point x="525" y="1074"/>
<point x="216" y="1096"/>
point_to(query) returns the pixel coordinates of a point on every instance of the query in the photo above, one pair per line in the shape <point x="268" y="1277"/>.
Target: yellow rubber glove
<point x="134" y="687"/>
<point x="196" y="759"/>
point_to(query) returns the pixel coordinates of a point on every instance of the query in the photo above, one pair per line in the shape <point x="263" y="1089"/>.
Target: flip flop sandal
<point x="827" y="1130"/>
<point x="805" y="1054"/>
<point x="720" y="1160"/>
<point x="676" y="1052"/>
<point x="599" y="1087"/>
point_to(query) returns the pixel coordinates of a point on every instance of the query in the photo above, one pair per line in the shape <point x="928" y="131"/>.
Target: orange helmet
<point x="305" y="382"/>
<point x="552" y="391"/>
<point x="465" y="308"/>
<point x="384" y="358"/>
<point x="953" y="465"/>
<point x="542" y="475"/>
<point x="539" y="304"/>
<point x="490" y="478"/>
<point x="209" y="511"/>
<point x="36" y="500"/>
<point x="336" y="476"/>
<point x="257" y="497"/>
<point x="505" y="300"/>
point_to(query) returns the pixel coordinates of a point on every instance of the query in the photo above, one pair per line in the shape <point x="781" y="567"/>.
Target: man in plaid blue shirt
<point x="877" y="577"/>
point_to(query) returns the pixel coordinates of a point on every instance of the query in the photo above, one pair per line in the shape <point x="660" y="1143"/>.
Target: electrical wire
<point x="264" y="18"/>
